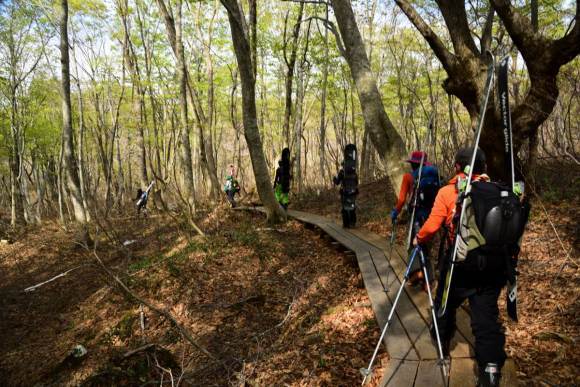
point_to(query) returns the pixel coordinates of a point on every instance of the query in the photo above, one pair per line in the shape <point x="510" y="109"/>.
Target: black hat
<point x="463" y="158"/>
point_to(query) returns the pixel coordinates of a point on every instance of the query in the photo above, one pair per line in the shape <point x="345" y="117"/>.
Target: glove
<point x="394" y="214"/>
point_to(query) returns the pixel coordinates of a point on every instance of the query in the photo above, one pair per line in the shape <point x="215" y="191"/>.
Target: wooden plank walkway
<point x="413" y="357"/>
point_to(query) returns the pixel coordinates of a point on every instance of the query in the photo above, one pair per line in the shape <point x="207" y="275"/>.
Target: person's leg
<point x="285" y="200"/>
<point x="230" y="196"/>
<point x="278" y="193"/>
<point x="447" y="323"/>
<point x="489" y="337"/>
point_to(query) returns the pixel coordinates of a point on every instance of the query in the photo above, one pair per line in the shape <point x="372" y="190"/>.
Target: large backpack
<point x="350" y="182"/>
<point x="428" y="186"/>
<point x="492" y="226"/>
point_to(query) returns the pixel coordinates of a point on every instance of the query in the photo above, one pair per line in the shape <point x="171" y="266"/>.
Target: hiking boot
<point x="424" y="286"/>
<point x="489" y="375"/>
<point x="416" y="277"/>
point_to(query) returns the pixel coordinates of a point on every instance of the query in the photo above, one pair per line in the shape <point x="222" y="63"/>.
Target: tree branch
<point x="447" y="59"/>
<point x="487" y="30"/>
<point x="568" y="47"/>
<point x="455" y="17"/>
<point x="519" y="28"/>
<point x="332" y="28"/>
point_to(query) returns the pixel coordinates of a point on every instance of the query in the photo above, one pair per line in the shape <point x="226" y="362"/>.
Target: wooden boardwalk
<point x="413" y="357"/>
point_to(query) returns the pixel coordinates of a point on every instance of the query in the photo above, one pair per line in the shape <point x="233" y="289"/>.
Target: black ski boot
<point x="489" y="375"/>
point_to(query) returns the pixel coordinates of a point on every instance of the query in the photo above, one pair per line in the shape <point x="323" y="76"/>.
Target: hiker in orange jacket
<point x="482" y="288"/>
<point x="406" y="190"/>
<point x="418" y="188"/>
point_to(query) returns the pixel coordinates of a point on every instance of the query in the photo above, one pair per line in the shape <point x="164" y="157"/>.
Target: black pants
<point x="230" y="195"/>
<point x="482" y="295"/>
<point x="348" y="210"/>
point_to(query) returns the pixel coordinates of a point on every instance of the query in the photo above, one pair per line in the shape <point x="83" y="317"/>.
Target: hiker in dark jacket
<point x="282" y="179"/>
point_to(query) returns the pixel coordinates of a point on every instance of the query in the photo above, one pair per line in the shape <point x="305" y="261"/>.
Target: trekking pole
<point x="432" y="306"/>
<point x="463" y="195"/>
<point x="415" y="201"/>
<point x="391" y="243"/>
<point x="366" y="372"/>
<point x="416" y="188"/>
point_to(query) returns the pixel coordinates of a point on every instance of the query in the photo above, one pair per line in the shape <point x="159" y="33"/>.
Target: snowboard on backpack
<point x="349" y="186"/>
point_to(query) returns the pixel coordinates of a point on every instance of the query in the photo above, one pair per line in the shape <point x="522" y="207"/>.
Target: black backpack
<point x="350" y="181"/>
<point x="492" y="226"/>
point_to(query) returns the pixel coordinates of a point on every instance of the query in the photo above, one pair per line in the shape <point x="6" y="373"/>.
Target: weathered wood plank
<point x="462" y="373"/>
<point x="396" y="340"/>
<point x="429" y="373"/>
<point x="400" y="373"/>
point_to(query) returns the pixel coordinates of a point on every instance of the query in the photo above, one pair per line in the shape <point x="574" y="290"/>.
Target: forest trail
<point x="542" y="343"/>
<point x="413" y="357"/>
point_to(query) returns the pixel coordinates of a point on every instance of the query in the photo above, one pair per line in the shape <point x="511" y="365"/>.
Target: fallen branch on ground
<point x="150" y="305"/>
<point x="34" y="287"/>
<point x="137" y="350"/>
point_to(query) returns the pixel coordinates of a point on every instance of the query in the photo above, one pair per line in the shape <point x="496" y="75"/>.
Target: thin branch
<point x="446" y="58"/>
<point x="307" y="2"/>
<point x="332" y="28"/>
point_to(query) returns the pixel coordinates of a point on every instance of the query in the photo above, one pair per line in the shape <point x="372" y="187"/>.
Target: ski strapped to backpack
<point x="506" y="121"/>
<point x="350" y="183"/>
<point x="462" y="195"/>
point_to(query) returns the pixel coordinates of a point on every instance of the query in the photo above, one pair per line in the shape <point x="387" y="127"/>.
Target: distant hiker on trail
<point x="418" y="190"/>
<point x="231" y="186"/>
<point x="348" y="180"/>
<point x="282" y="179"/>
<point x="141" y="199"/>
<point x="493" y="212"/>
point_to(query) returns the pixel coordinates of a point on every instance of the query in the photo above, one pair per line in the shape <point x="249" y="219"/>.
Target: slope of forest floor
<point x="544" y="341"/>
<point x="275" y="306"/>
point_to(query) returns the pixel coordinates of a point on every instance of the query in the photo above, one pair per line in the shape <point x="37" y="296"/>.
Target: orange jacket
<point x="443" y="209"/>
<point x="405" y="192"/>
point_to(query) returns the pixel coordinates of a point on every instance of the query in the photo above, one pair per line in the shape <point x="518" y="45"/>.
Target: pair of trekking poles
<point x="417" y="251"/>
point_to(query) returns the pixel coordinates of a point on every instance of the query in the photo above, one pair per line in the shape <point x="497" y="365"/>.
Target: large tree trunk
<point x="69" y="159"/>
<point x="241" y="41"/>
<point x="466" y="68"/>
<point x="383" y="134"/>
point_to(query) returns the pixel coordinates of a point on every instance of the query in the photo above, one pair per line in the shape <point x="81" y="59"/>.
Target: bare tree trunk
<point x="240" y="38"/>
<point x="206" y="121"/>
<point x="385" y="138"/>
<point x="290" y="65"/>
<point x="174" y="34"/>
<point x="138" y="92"/>
<point x="186" y="164"/>
<point x="17" y="203"/>
<point x="70" y="166"/>
<point x="322" y="149"/>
